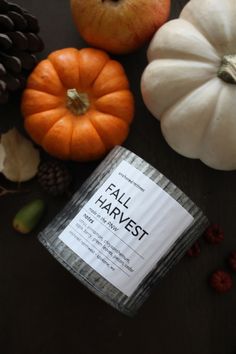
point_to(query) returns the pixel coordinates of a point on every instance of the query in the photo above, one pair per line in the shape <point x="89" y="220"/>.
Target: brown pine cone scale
<point x="54" y="177"/>
<point x="19" y="41"/>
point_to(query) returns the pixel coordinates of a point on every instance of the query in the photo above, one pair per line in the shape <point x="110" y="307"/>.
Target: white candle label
<point x="126" y="227"/>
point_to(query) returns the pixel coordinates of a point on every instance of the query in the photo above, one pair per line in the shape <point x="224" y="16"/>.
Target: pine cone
<point x="18" y="43"/>
<point x="54" y="177"/>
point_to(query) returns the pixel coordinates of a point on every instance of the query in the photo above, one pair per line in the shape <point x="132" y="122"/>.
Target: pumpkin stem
<point x="227" y="70"/>
<point x="77" y="102"/>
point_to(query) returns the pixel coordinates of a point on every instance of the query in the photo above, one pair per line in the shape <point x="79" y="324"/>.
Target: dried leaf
<point x="21" y="158"/>
<point x="2" y="157"/>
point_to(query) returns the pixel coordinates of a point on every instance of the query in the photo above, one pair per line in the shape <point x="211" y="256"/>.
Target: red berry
<point x="221" y="281"/>
<point x="232" y="260"/>
<point x="214" y="234"/>
<point x="195" y="250"/>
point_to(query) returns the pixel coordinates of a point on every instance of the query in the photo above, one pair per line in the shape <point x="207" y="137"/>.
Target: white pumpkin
<point x="190" y="82"/>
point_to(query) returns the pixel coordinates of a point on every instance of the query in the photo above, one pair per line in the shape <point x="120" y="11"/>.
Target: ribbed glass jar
<point x="68" y="253"/>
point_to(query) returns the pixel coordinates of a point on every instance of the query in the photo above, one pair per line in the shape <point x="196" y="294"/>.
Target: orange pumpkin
<point x="77" y="104"/>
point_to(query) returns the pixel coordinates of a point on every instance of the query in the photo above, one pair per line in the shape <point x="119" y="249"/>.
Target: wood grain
<point x="43" y="309"/>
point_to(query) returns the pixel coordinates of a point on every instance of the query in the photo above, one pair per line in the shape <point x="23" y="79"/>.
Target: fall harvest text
<point x="118" y="213"/>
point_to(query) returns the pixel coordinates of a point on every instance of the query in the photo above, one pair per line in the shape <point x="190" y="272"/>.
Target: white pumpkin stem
<point x="227" y="70"/>
<point x="77" y="102"/>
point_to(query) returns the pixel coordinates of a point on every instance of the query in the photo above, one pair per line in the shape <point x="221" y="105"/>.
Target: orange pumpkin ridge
<point x="77" y="104"/>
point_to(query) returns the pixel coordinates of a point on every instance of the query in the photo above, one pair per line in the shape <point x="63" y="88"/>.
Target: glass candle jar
<point x="123" y="230"/>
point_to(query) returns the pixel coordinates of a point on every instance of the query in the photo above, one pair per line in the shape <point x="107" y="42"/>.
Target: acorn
<point x="19" y="41"/>
<point x="27" y="218"/>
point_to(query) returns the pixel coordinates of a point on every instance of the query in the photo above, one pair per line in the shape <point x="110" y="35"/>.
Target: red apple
<point x="119" y="26"/>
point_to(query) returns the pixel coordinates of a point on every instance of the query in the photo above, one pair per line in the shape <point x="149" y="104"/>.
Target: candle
<point x="123" y="230"/>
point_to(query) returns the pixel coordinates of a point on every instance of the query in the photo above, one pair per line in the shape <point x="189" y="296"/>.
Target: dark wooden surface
<point x="44" y="310"/>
